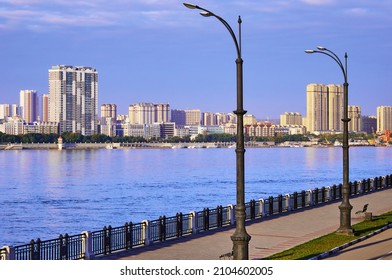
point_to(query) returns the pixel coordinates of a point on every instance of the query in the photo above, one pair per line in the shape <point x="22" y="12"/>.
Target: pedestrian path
<point x="269" y="235"/>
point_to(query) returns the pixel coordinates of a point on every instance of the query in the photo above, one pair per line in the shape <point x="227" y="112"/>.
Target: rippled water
<point x="44" y="193"/>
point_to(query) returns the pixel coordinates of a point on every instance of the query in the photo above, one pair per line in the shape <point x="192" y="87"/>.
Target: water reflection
<point x="44" y="193"/>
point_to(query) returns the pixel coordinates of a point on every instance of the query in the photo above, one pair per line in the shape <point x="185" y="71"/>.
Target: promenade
<point x="269" y="235"/>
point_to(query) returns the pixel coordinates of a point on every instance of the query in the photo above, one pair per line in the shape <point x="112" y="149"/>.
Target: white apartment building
<point x="8" y="110"/>
<point x="324" y="107"/>
<point x="73" y="98"/>
<point x="29" y="105"/>
<point x="148" y="113"/>
<point x="13" y="126"/>
<point x="354" y="113"/>
<point x="384" y="118"/>
<point x="290" y="119"/>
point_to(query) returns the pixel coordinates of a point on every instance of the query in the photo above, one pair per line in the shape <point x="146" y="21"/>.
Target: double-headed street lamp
<point x="240" y="237"/>
<point x="345" y="207"/>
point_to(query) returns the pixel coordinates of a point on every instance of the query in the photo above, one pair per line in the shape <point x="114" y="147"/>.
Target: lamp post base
<point x="241" y="246"/>
<point x="346" y="231"/>
<point x="345" y="220"/>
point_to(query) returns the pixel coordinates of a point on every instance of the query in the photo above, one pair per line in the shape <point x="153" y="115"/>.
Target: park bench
<point x="368" y="215"/>
<point x="364" y="209"/>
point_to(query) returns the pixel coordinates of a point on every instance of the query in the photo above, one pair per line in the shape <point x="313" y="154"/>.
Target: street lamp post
<point x="240" y="237"/>
<point x="345" y="207"/>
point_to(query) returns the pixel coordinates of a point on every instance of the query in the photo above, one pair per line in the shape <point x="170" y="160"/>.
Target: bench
<point x="368" y="215"/>
<point x="363" y="211"/>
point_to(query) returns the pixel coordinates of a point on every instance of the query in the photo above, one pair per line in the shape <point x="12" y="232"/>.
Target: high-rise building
<point x="209" y="119"/>
<point x="221" y="118"/>
<point x="354" y="113"/>
<point x="369" y="124"/>
<point x="384" y="118"/>
<point x="249" y="119"/>
<point x="45" y="107"/>
<point x="73" y="98"/>
<point x="148" y="113"/>
<point x="335" y="107"/>
<point x="186" y="117"/>
<point x="8" y="110"/>
<point x="324" y="107"/>
<point x="178" y="117"/>
<point x="28" y="104"/>
<point x="193" y="117"/>
<point x="290" y="119"/>
<point x="109" y="111"/>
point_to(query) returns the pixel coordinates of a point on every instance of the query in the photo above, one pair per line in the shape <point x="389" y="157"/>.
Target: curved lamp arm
<point x="332" y="55"/>
<point x="207" y="13"/>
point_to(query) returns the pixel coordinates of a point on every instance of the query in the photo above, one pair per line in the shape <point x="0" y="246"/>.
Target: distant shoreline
<point x="88" y="146"/>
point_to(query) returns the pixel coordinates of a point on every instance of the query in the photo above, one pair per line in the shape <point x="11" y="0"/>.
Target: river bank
<point x="191" y="145"/>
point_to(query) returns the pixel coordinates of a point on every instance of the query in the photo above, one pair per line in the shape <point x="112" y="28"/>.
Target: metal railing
<point x="63" y="248"/>
<point x="112" y="239"/>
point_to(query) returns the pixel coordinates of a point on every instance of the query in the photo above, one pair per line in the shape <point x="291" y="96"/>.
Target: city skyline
<point x="161" y="52"/>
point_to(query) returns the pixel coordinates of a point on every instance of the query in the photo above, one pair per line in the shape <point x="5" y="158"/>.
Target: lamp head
<point x="321" y="48"/>
<point x="190" y="6"/>
<point x="206" y="14"/>
<point x="309" y="51"/>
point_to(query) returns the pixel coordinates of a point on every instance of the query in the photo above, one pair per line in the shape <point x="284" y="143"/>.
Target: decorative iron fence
<point x="63" y="248"/>
<point x="112" y="239"/>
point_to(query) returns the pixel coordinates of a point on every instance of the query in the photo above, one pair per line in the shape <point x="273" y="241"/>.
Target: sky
<point x="159" y="51"/>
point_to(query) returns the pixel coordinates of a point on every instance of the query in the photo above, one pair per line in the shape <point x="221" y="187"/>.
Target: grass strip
<point x="328" y="242"/>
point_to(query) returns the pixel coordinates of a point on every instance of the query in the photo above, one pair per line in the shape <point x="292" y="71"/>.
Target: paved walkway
<point x="269" y="236"/>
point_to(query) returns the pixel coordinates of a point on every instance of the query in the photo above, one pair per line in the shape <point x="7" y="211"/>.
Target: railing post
<point x="219" y="217"/>
<point x="146" y="232"/>
<point x="262" y="207"/>
<point x="361" y="186"/>
<point x="193" y="223"/>
<point x="310" y="195"/>
<point x="9" y="254"/>
<point x="206" y="219"/>
<point x="162" y="228"/>
<point x="179" y="224"/>
<point x="252" y="209"/>
<point x="63" y="247"/>
<point x="280" y="203"/>
<point x="231" y="213"/>
<point x="323" y="194"/>
<point x="369" y="185"/>
<point x="315" y="194"/>
<point x="303" y="199"/>
<point x="340" y="190"/>
<point x="289" y="204"/>
<point x="295" y="200"/>
<point x="108" y="239"/>
<point x="35" y="249"/>
<point x="373" y="184"/>
<point x="270" y="205"/>
<point x="87" y="245"/>
<point x="128" y="235"/>
<point x="388" y="181"/>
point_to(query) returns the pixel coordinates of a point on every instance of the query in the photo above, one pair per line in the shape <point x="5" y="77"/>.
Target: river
<point x="44" y="193"/>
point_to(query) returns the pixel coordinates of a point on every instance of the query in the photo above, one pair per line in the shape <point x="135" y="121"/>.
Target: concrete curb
<point x="337" y="249"/>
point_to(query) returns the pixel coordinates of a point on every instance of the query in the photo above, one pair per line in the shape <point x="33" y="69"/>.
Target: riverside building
<point x="8" y="110"/>
<point x="148" y="113"/>
<point x="73" y="98"/>
<point x="290" y="119"/>
<point x="354" y="113"/>
<point x="384" y="118"/>
<point x="324" y="107"/>
<point x="28" y="104"/>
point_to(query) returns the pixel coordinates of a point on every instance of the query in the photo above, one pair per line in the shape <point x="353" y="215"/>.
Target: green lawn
<point x="327" y="242"/>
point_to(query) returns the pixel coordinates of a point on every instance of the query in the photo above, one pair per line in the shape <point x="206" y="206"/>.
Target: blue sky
<point x="159" y="51"/>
